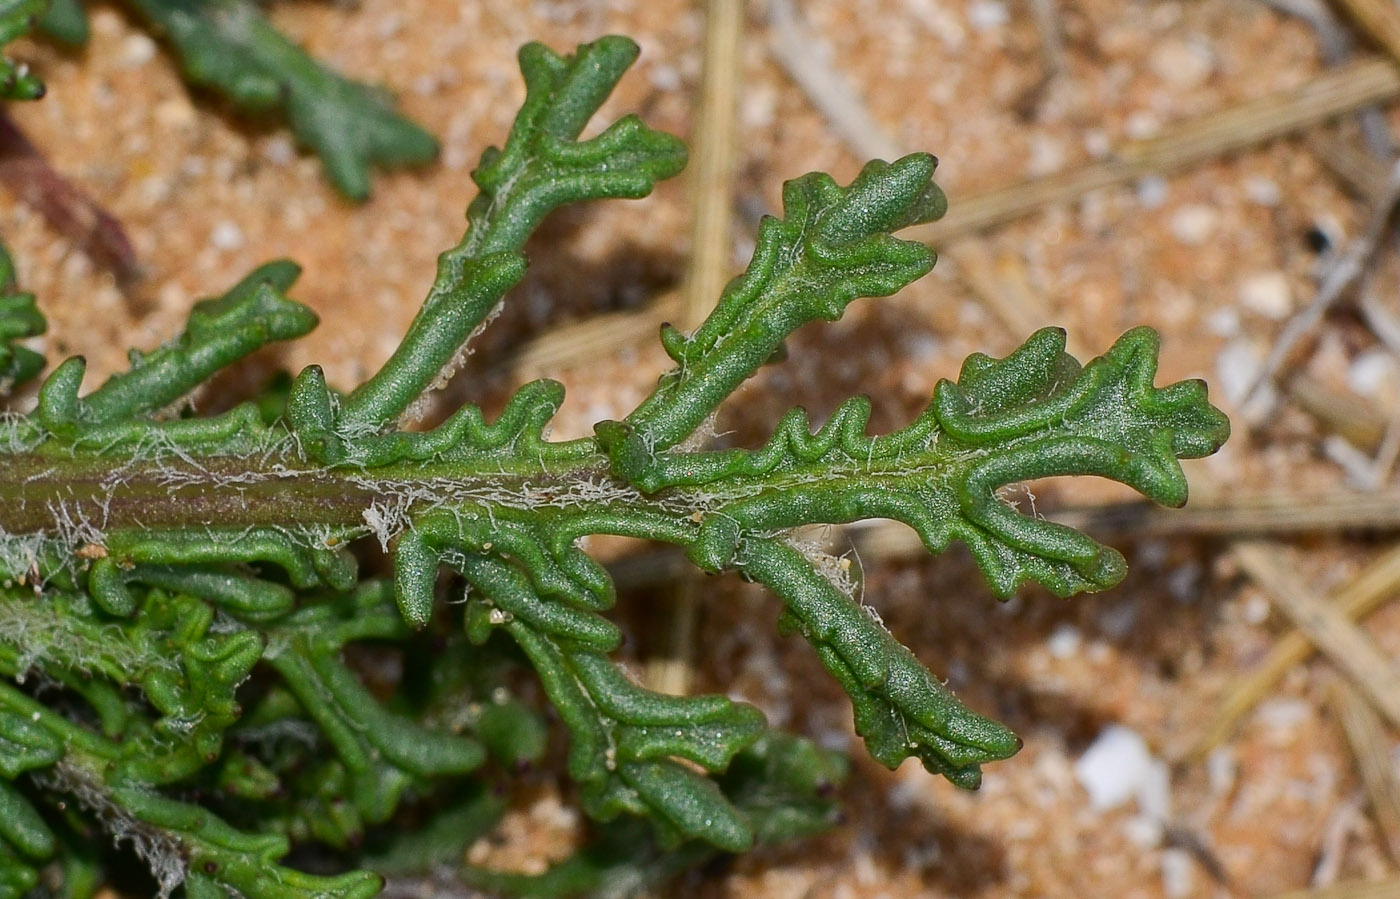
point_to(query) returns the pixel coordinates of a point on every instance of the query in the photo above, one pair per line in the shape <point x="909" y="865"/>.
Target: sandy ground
<point x="1216" y="258"/>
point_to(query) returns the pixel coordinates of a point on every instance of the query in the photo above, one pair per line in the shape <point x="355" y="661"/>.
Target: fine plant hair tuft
<point x="190" y="606"/>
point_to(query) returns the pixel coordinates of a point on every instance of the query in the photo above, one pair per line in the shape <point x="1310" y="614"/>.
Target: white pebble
<point x="1117" y="619"/>
<point x="1096" y="143"/>
<point x="1267" y="293"/>
<point x="664" y="77"/>
<point x="1141" y="125"/>
<point x="1184" y="582"/>
<point x="136" y="50"/>
<point x="1115" y="768"/>
<point x="1152" y="191"/>
<point x="1237" y="367"/>
<point x="1263" y="191"/>
<point x="1195" y="223"/>
<point x="279" y="150"/>
<point x="1282" y="716"/>
<point x="1047" y="155"/>
<point x="1221" y="770"/>
<point x="1064" y="641"/>
<point x="1182" y="64"/>
<point x="1372" y="372"/>
<point x="226" y="236"/>
<point x="985" y="15"/>
<point x="1224" y="322"/>
<point x="1178" y="874"/>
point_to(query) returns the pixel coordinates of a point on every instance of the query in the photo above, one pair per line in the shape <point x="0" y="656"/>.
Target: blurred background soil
<point x="1221" y="252"/>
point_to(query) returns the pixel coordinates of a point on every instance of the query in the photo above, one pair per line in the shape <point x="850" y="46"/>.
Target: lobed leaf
<point x="17" y="18"/>
<point x="230" y="47"/>
<point x="19" y="318"/>
<point x="830" y="248"/>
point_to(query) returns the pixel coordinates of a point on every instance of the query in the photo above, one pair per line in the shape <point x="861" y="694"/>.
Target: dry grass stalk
<point x="1003" y="286"/>
<point x="1375" y="585"/>
<point x="1354" y="166"/>
<point x="598" y="337"/>
<point x="1052" y="41"/>
<point x="1339" y="278"/>
<point x="1380" y="19"/>
<point x="1233" y="513"/>
<point x="711" y="168"/>
<point x="1375" y="889"/>
<point x="1345" y="414"/>
<point x="1370" y="746"/>
<point x="67" y="209"/>
<point x="712" y="190"/>
<point x="1324" y="97"/>
<point x="1383" y="322"/>
<point x="822" y="83"/>
<point x="1350" y="649"/>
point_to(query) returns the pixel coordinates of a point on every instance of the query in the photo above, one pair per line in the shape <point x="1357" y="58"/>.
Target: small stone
<point x="1372" y="373"/>
<point x="1178" y="874"/>
<point x="986" y="15"/>
<point x="1047" y="155"/>
<point x="1263" y="191"/>
<point x="1116" y="767"/>
<point x="1182" y="64"/>
<point x="136" y="50"/>
<point x="1267" y="293"/>
<point x="175" y="112"/>
<point x="1097" y="143"/>
<point x="1224" y="322"/>
<point x="664" y="77"/>
<point x="1064" y="641"/>
<point x="1152" y="191"/>
<point x="279" y="150"/>
<point x="1142" y="125"/>
<point x="1195" y="223"/>
<point x="226" y="236"/>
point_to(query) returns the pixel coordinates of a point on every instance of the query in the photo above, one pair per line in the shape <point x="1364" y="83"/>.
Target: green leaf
<point x="19" y="318"/>
<point x="1035" y="414"/>
<point x="830" y="248"/>
<point x="21" y="826"/>
<point x="65" y="21"/>
<point x="543" y="166"/>
<point x="624" y="738"/>
<point x="17" y="18"/>
<point x="900" y="708"/>
<point x="252" y="314"/>
<point x="230" y="47"/>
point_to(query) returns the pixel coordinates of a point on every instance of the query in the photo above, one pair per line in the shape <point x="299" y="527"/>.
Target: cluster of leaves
<point x="181" y="598"/>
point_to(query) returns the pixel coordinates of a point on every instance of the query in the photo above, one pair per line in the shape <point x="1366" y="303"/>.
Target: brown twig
<point x="1345" y="414"/>
<point x="1341" y="276"/>
<point x="1377" y="584"/>
<point x="1379" y="19"/>
<point x="1350" y="649"/>
<point x="1324" y="97"/>
<point x="1370" y="747"/>
<point x="829" y="92"/>
<point x="1375" y="889"/>
<point x="712" y="189"/>
<point x="66" y="208"/>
